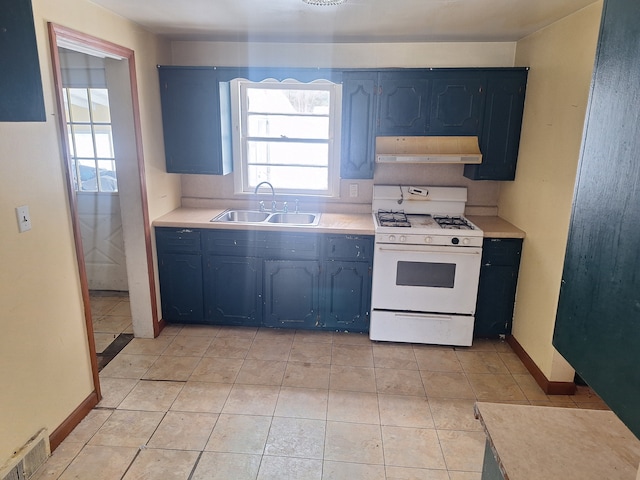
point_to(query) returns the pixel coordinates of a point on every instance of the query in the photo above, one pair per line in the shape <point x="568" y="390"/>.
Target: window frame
<point x="239" y="139"/>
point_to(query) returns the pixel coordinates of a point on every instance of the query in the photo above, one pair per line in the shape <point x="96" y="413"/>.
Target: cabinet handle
<point x="186" y="230"/>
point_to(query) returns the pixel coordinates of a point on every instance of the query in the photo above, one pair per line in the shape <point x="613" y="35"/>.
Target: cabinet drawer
<point x="501" y="251"/>
<point x="178" y="240"/>
<point x="234" y="242"/>
<point x="349" y="247"/>
<point x="287" y="245"/>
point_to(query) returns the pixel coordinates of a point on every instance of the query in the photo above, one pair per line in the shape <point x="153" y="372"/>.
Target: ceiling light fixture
<point x="324" y="2"/>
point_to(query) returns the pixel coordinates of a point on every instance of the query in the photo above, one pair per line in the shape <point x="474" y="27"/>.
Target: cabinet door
<point x="291" y="291"/>
<point x="358" y="124"/>
<point x="346" y="296"/>
<point x="497" y="287"/>
<point x="191" y="121"/>
<point x="403" y="104"/>
<point x="233" y="290"/>
<point x="496" y="296"/>
<point x="181" y="287"/>
<point x="500" y="138"/>
<point x="456" y="104"/>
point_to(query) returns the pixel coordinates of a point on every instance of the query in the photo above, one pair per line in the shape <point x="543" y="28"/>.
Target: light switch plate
<point x="24" y="219"/>
<point x="353" y="190"/>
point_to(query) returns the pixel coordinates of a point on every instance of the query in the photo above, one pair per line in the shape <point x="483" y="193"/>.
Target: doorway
<point x="126" y="164"/>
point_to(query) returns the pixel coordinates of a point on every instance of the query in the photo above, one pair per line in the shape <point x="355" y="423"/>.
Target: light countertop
<point x="496" y="227"/>
<point x="341" y="223"/>
<point x="534" y="443"/>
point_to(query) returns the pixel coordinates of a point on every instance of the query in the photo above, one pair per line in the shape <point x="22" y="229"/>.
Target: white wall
<point x="44" y="357"/>
<point x="345" y="55"/>
<point x="561" y="58"/>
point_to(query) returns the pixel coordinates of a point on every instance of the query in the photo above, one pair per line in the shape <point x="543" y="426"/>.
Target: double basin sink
<point x="275" y="218"/>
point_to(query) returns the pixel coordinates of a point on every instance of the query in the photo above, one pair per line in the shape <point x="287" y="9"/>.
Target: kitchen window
<point x="286" y="133"/>
<point x="90" y="139"/>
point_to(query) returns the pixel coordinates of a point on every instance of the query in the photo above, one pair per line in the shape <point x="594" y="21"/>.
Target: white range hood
<point x="461" y="150"/>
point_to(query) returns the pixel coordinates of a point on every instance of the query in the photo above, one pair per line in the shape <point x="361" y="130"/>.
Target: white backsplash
<point x="217" y="191"/>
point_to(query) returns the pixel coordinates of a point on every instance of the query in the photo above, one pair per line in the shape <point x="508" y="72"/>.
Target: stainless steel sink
<point x="241" y="216"/>
<point x="294" y="218"/>
<point x="279" y="218"/>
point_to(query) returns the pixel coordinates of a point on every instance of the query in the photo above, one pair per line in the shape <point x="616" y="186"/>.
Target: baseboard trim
<point x="547" y="386"/>
<point x="72" y="421"/>
<point x="160" y="326"/>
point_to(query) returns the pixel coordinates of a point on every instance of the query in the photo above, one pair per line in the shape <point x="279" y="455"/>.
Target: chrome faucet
<point x="273" y="196"/>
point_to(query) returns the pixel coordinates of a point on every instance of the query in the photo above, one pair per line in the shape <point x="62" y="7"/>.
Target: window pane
<point x="70" y="134"/>
<point x="288" y="153"/>
<point x="100" y="105"/>
<point x="88" y="180"/>
<point x="84" y="140"/>
<point x="79" y="105"/>
<point x="294" y="126"/>
<point x="284" y="100"/>
<point x="303" y="178"/>
<point x="107" y="171"/>
<point x="104" y="143"/>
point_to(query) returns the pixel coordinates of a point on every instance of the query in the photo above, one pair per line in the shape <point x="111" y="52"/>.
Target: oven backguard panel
<point x="439" y="200"/>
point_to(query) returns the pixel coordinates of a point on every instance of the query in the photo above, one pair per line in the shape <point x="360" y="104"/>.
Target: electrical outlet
<point x="24" y="219"/>
<point x="353" y="190"/>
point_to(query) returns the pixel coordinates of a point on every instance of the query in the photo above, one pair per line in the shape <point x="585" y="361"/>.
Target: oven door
<point x="423" y="278"/>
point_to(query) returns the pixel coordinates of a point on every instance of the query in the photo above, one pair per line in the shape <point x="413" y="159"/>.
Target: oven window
<point x="426" y="274"/>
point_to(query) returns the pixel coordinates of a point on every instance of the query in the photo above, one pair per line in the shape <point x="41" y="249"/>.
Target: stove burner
<point x="453" y="223"/>
<point x="389" y="218"/>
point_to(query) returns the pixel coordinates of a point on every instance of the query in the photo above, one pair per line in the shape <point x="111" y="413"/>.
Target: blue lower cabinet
<point x="181" y="287"/>
<point x="291" y="293"/>
<point x="346" y="296"/>
<point x="233" y="290"/>
<point x="497" y="287"/>
<point x="272" y="279"/>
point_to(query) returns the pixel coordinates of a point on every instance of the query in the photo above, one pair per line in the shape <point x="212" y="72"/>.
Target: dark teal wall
<point x="21" y="98"/>
<point x="598" y="321"/>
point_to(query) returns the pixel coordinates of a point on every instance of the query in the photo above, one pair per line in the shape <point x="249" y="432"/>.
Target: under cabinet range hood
<point x="461" y="150"/>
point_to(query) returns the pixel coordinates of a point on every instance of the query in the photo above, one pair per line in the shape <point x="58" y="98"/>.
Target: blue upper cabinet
<point x="193" y="126"/>
<point x="501" y="124"/>
<point x="403" y="104"/>
<point x="487" y="103"/>
<point x="21" y="97"/>
<point x="457" y="101"/>
<point x="359" y="114"/>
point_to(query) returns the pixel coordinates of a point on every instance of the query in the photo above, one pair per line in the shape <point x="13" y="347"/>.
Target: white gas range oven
<point x="426" y="266"/>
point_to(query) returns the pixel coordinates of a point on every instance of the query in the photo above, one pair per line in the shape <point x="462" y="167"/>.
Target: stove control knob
<point x="466" y="241"/>
<point x="403" y="238"/>
<point x="455" y="240"/>
<point x="428" y="240"/>
<point x="392" y="238"/>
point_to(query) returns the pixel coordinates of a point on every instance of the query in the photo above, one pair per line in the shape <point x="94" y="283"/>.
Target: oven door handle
<point x="432" y="249"/>
<point x="424" y="315"/>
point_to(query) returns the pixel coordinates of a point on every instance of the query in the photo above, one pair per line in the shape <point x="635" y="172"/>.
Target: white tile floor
<point x="206" y="402"/>
<point x="111" y="316"/>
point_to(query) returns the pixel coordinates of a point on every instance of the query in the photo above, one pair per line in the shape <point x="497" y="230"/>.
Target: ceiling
<point x="366" y="21"/>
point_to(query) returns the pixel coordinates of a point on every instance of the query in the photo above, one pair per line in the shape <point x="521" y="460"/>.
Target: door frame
<point x="57" y="32"/>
